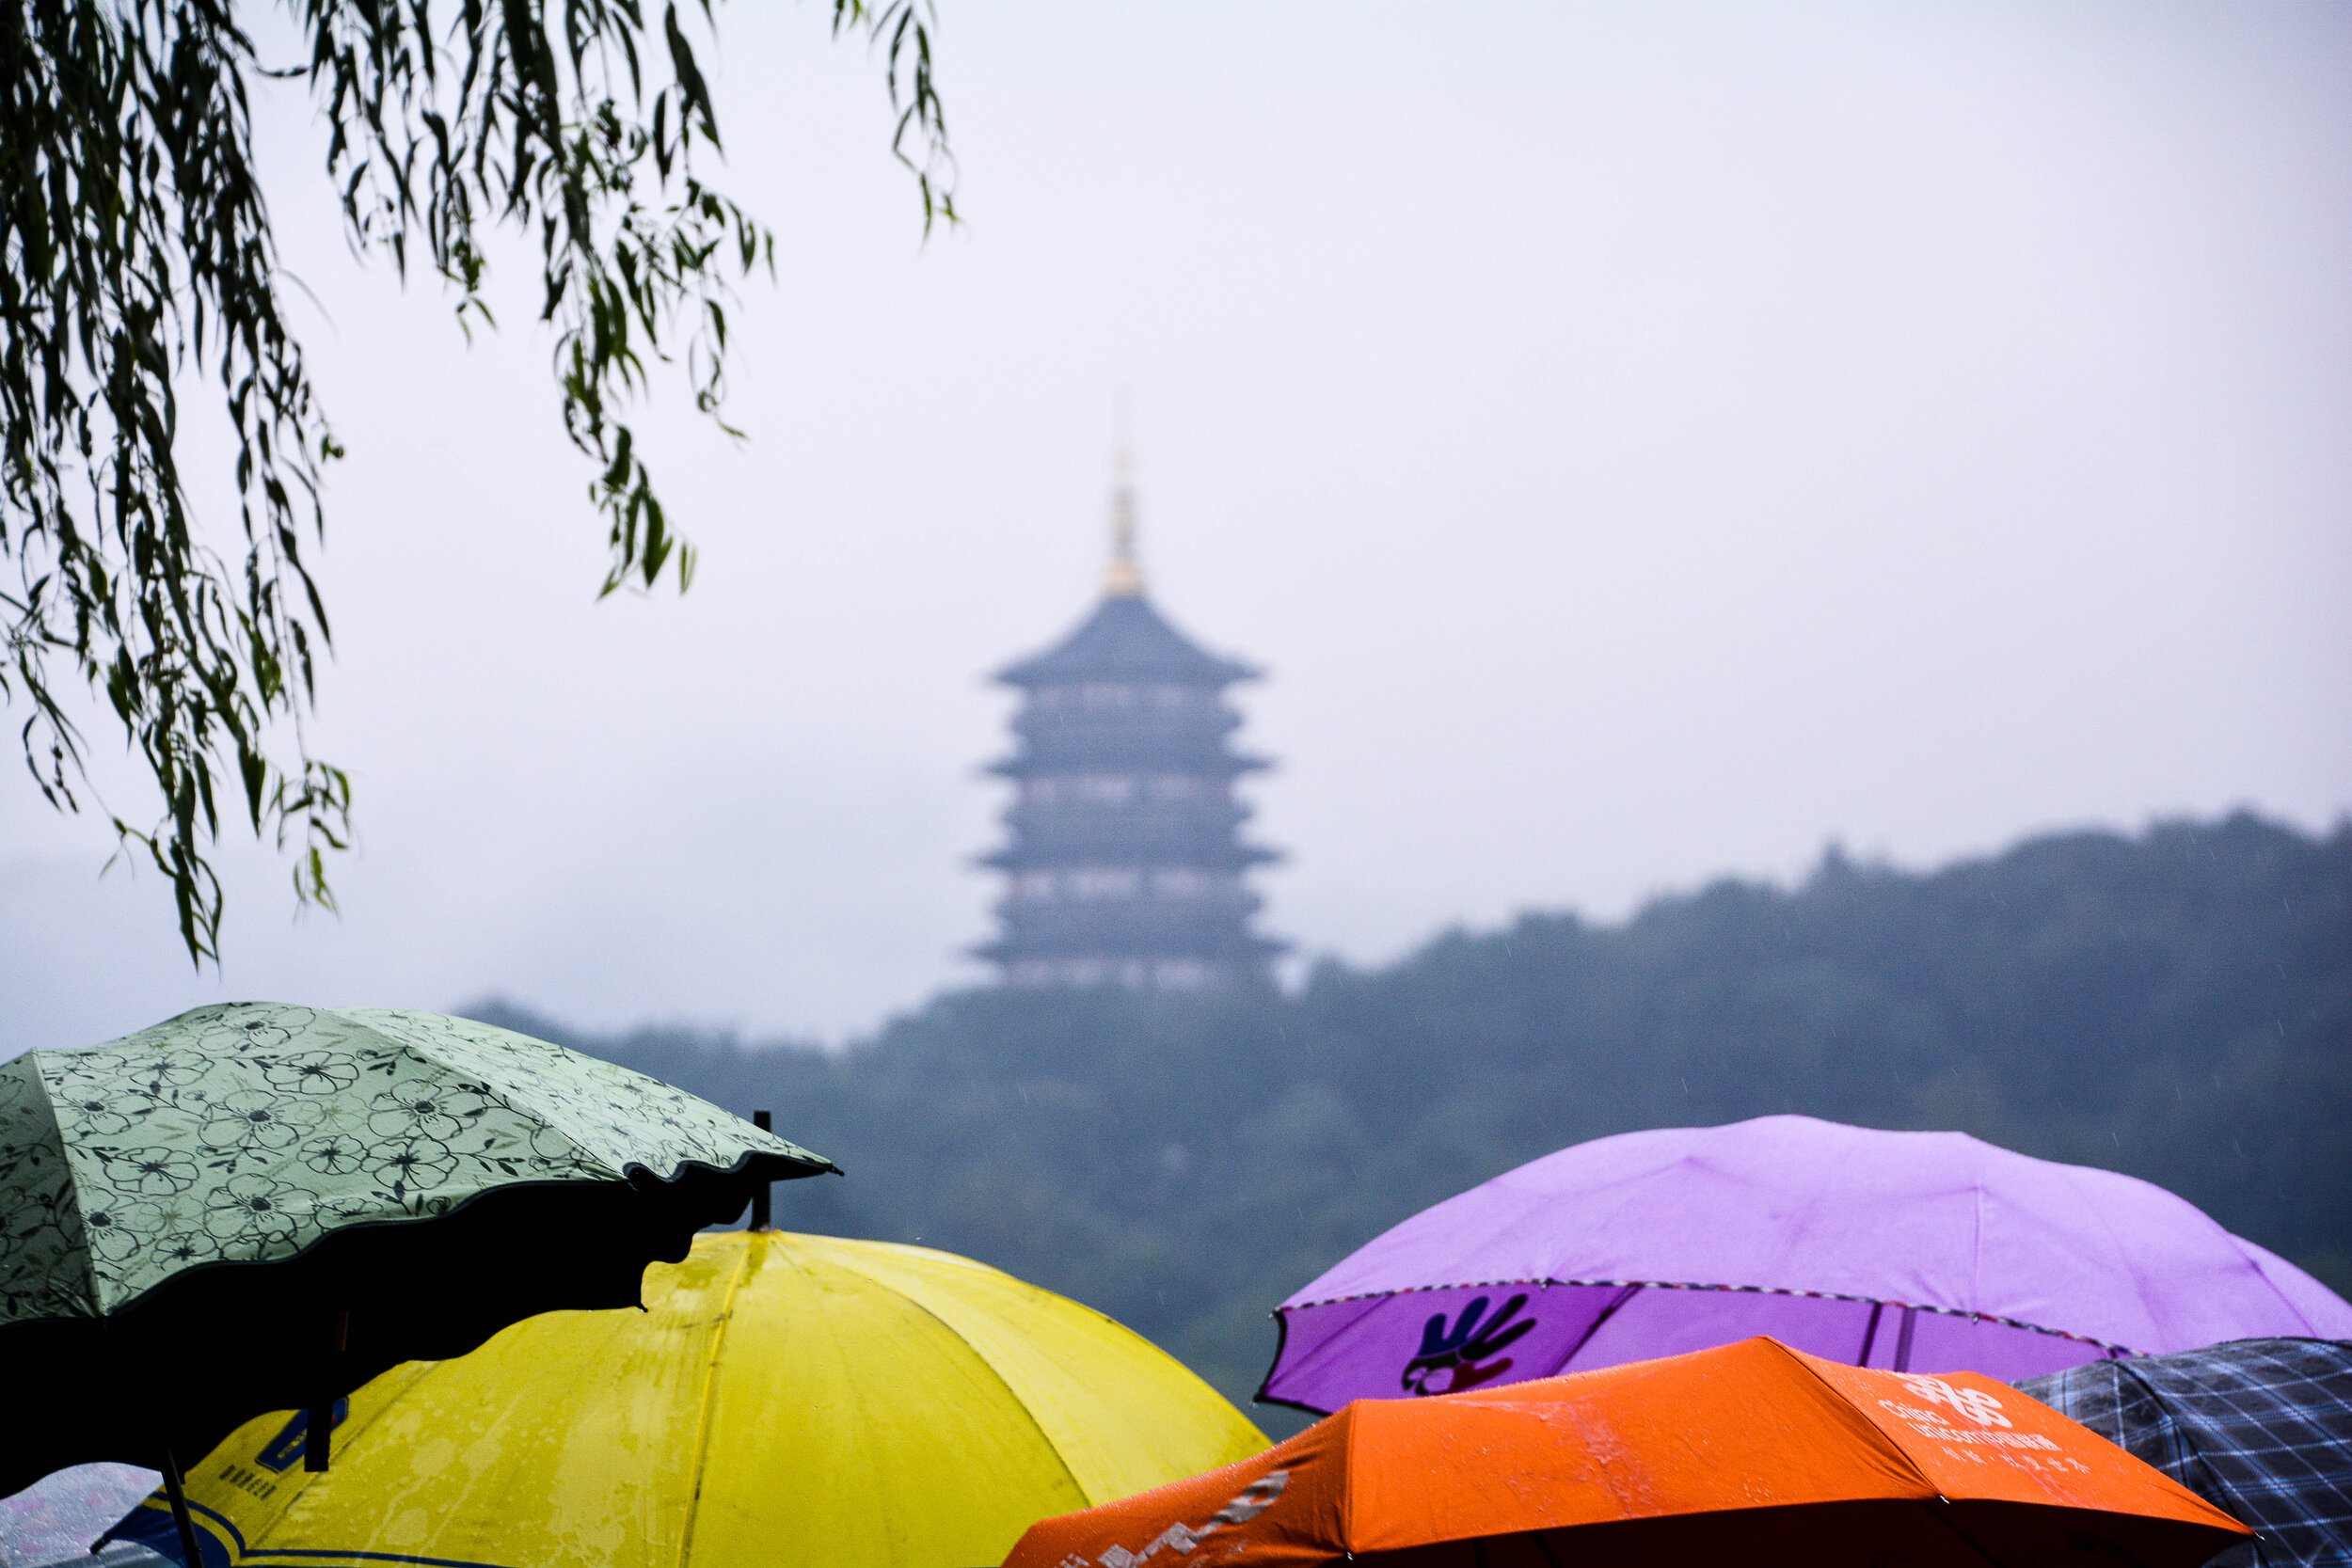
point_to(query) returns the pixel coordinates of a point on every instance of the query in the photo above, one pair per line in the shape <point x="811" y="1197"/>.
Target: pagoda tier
<point x="1145" y="761"/>
<point x="1043" y="839"/>
<point x="1125" y="862"/>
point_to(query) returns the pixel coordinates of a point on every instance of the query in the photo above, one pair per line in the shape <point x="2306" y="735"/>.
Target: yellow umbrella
<point x="784" y="1400"/>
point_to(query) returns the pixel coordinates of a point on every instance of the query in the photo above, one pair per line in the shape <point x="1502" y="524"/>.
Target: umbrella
<point x="255" y="1205"/>
<point x="1914" y="1251"/>
<point x="56" y="1518"/>
<point x="783" y="1399"/>
<point x="2262" y="1428"/>
<point x="1746" y="1455"/>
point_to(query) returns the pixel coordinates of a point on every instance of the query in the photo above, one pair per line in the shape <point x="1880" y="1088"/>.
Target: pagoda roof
<point x="1125" y="639"/>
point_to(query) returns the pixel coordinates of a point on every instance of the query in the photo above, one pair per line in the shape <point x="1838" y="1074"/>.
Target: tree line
<point x="2176" y="1005"/>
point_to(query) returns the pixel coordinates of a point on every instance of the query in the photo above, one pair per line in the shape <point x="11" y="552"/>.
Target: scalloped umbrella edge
<point x="254" y="1205"/>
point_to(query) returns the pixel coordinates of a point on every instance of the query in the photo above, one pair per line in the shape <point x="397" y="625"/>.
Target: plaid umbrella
<point x="2259" y="1427"/>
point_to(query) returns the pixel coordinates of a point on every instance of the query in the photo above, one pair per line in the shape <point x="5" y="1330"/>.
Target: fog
<point x="1643" y="443"/>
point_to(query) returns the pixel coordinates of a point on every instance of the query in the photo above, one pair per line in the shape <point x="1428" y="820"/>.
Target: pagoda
<point x="1125" y="863"/>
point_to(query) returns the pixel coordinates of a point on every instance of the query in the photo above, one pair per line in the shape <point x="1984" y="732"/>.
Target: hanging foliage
<point x="138" y="262"/>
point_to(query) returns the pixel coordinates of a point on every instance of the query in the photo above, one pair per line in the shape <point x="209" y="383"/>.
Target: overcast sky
<point x="1644" y="442"/>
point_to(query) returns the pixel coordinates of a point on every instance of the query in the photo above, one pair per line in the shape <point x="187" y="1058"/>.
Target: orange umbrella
<point x="1751" y="1453"/>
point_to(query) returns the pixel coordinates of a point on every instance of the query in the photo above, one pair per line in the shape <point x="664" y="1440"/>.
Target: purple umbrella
<point x="1921" y="1252"/>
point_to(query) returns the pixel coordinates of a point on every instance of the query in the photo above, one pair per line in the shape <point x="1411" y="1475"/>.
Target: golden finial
<point x="1124" y="581"/>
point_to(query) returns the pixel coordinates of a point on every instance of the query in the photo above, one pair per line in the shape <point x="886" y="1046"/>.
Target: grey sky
<point x="1644" y="442"/>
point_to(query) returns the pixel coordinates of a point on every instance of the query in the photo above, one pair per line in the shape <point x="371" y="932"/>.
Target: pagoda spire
<point x="1124" y="865"/>
<point x="1124" y="578"/>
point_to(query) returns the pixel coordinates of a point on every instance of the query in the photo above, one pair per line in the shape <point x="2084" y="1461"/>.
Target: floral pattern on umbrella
<point x="245" y="1132"/>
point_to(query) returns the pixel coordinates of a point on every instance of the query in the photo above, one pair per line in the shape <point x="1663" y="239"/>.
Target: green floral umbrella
<point x="256" y="1206"/>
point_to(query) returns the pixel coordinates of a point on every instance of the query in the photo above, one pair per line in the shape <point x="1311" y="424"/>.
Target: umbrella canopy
<point x="55" y="1519"/>
<point x="1750" y="1454"/>
<point x="783" y="1399"/>
<point x="255" y="1205"/>
<point x="2262" y="1428"/>
<point x="1913" y="1251"/>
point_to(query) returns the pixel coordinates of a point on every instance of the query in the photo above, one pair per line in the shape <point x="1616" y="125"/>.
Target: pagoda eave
<point x="1249" y="949"/>
<point x="1197" y="765"/>
<point x="1063" y="857"/>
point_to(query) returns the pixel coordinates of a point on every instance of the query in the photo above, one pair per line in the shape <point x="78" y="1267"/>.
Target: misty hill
<point x="2177" y="1006"/>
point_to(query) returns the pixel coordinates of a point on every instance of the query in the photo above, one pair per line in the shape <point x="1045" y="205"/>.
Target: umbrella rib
<point x="702" y="1416"/>
<point x="1878" y="1434"/>
<point x="1942" y="1516"/>
<point x="1002" y="1381"/>
<point x="1975" y="1259"/>
<point x="70" y="1180"/>
<point x="473" y="1077"/>
<point x="1595" y="1326"/>
<point x="2138" y="1283"/>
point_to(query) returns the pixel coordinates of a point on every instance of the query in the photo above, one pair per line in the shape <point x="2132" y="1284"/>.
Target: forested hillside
<point x="2177" y="1006"/>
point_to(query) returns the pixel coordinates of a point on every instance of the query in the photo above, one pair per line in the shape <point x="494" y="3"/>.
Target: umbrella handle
<point x="318" y="1435"/>
<point x="179" y="1496"/>
<point x="759" y="1194"/>
<point x="318" y="1432"/>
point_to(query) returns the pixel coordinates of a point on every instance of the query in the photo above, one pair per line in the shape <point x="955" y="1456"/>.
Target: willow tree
<point x="137" y="265"/>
